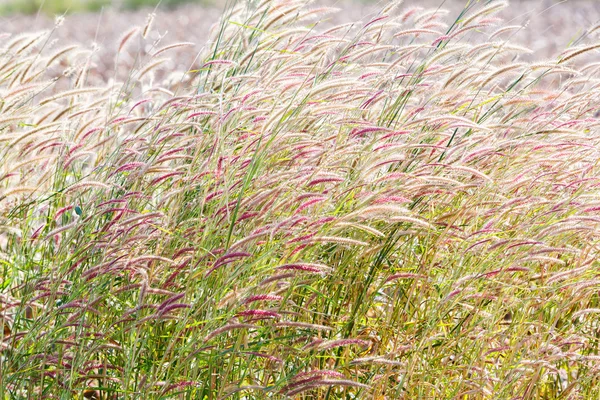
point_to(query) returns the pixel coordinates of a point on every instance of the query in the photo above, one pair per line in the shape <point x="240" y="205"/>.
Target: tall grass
<point x="396" y="208"/>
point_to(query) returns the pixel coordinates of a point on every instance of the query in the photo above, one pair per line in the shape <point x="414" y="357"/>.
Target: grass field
<point x="405" y="207"/>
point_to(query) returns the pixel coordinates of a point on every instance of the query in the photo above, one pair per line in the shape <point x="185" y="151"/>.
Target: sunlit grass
<point x="397" y="208"/>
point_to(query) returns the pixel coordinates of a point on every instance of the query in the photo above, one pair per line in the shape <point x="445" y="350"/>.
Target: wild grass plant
<point x="398" y="208"/>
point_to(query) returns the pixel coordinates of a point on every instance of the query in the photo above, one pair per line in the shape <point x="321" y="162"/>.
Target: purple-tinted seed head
<point x="226" y="259"/>
<point x="170" y="300"/>
<point x="305" y="267"/>
<point x="263" y="297"/>
<point x="258" y="314"/>
<point x="276" y="278"/>
<point x="172" y="307"/>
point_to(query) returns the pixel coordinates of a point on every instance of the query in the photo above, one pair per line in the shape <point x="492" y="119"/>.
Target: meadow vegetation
<point x="399" y="208"/>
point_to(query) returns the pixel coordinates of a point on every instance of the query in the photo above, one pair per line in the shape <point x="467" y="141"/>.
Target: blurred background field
<point x="8" y="7"/>
<point x="549" y="26"/>
<point x="75" y="6"/>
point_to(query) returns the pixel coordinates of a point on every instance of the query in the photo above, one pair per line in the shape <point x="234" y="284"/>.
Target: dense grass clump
<point x="398" y="208"/>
